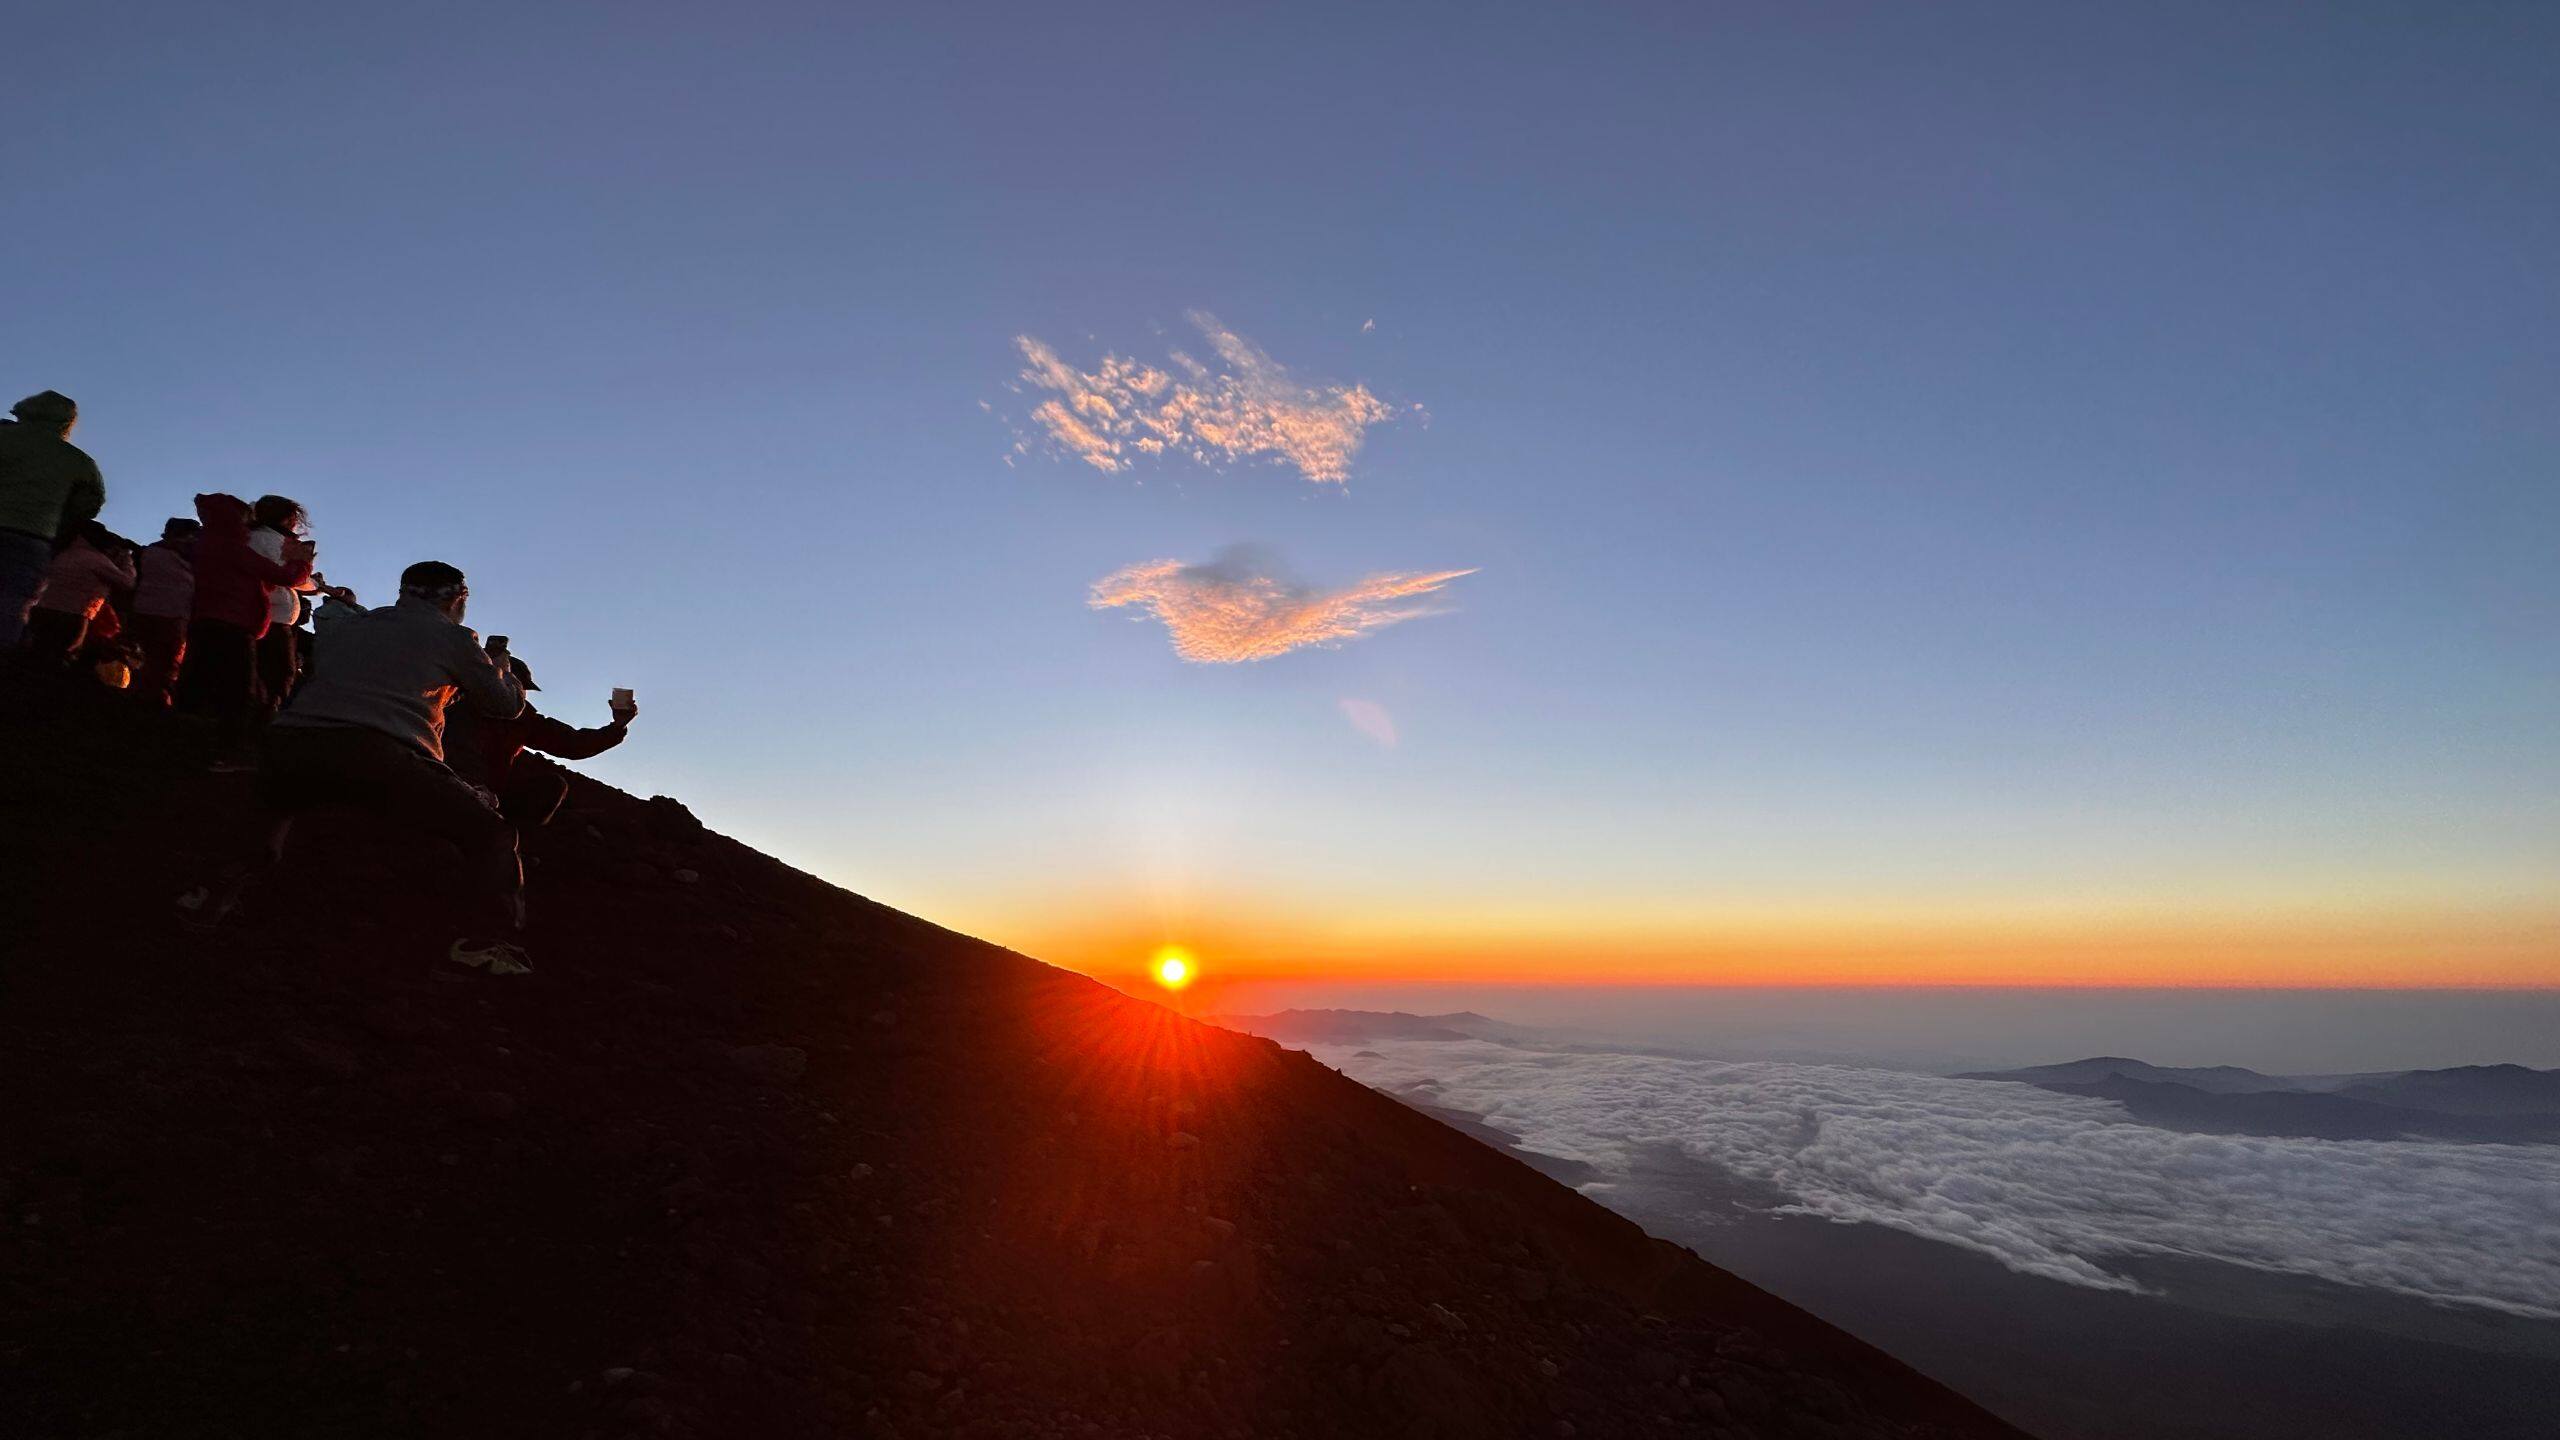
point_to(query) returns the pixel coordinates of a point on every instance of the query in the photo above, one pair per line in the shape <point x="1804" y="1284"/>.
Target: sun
<point x="1173" y="967"/>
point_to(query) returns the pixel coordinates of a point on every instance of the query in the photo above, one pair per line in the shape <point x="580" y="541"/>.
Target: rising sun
<point x="1173" y="968"/>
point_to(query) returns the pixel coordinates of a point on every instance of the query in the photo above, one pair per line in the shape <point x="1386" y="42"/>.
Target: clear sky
<point x="2002" y="493"/>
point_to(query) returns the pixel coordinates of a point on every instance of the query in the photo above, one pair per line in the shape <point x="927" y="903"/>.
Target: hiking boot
<point x="498" y="957"/>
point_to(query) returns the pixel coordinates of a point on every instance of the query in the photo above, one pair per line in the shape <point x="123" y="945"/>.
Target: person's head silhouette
<point x="48" y="410"/>
<point x="437" y="584"/>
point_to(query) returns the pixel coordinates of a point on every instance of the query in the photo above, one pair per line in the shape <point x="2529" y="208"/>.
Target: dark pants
<point x="23" y="560"/>
<point x="305" y="767"/>
<point x="164" y="649"/>
<point x="221" y="679"/>
<point x="532" y="793"/>
<point x="279" y="666"/>
<point x="53" y="636"/>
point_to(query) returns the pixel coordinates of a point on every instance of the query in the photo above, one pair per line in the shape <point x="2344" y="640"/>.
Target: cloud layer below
<point x="2048" y="1184"/>
<point x="1246" y="406"/>
<point x="1237" y="607"/>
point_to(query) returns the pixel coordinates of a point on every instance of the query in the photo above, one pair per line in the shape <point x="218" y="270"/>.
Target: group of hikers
<point x="398" y="709"/>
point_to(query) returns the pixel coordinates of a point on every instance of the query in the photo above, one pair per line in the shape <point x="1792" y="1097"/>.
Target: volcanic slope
<point x="749" y="1155"/>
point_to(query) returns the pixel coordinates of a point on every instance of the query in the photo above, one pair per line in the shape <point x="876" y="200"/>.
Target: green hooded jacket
<point x="49" y="487"/>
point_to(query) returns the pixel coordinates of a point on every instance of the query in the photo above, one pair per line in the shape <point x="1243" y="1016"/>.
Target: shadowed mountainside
<point x="749" y="1155"/>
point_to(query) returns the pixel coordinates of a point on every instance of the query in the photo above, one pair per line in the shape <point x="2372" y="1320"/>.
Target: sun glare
<point x="1173" y="968"/>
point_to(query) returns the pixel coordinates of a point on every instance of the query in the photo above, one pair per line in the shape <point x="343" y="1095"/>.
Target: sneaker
<point x="197" y="911"/>
<point x="498" y="957"/>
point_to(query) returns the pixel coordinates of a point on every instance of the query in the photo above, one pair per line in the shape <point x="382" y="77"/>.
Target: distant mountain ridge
<point x="2467" y="1090"/>
<point x="1343" y="1027"/>
<point x="2213" y="1079"/>
<point x="2500" y="1104"/>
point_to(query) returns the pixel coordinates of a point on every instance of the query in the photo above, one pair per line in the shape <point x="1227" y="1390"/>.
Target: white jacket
<point x="283" y="606"/>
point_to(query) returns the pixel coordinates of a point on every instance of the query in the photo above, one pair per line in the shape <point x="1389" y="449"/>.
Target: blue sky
<point x="2011" y="462"/>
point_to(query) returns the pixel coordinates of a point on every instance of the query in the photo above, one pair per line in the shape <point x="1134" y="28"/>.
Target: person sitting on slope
<point x="489" y="753"/>
<point x="164" y="590"/>
<point x="231" y="611"/>
<point x="368" y="732"/>
<point x="77" y="583"/>
<point x="275" y="522"/>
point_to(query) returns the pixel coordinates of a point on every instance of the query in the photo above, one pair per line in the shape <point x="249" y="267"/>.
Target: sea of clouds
<point x="2053" y="1185"/>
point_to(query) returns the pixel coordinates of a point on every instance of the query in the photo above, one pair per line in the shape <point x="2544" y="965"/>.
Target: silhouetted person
<point x="490" y="753"/>
<point x="92" y="565"/>
<point x="368" y="732"/>
<point x="335" y="603"/>
<point x="49" y="488"/>
<point x="164" y="592"/>
<point x="275" y="522"/>
<point x="230" y="614"/>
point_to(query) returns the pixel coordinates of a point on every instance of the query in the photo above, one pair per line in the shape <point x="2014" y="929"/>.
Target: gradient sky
<point x="1976" y="492"/>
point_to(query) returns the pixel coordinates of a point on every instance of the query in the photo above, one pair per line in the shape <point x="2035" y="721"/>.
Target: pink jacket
<point x="80" y="578"/>
<point x="167" y="582"/>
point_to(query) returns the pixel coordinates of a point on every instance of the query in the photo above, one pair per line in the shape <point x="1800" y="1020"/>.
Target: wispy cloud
<point x="1239" y="607"/>
<point x="1245" y="406"/>
<point x="1371" y="719"/>
<point x="2052" y="1185"/>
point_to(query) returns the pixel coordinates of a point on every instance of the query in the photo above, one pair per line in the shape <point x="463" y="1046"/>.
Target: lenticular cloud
<point x="1246" y="406"/>
<point x="1237" y="607"/>
<point x="2048" y="1184"/>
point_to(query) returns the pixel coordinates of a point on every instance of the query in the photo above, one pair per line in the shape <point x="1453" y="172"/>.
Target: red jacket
<point x="483" y="751"/>
<point x="231" y="579"/>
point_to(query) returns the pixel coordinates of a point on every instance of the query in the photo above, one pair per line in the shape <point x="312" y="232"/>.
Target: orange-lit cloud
<point x="1247" y="406"/>
<point x="1238" y="608"/>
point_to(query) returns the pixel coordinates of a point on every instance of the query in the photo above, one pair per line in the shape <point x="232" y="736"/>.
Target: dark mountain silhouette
<point x="2216" y="1079"/>
<point x="749" y="1155"/>
<point x="2496" y="1104"/>
<point x="1344" y="1027"/>
<point x="2466" y="1090"/>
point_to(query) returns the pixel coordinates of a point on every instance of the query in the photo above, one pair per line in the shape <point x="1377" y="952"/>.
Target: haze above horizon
<point x="1978" y="494"/>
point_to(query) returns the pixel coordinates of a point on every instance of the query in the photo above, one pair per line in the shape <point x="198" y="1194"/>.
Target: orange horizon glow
<point x="2444" y="950"/>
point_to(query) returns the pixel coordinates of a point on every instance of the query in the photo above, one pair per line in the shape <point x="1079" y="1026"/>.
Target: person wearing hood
<point x="89" y="569"/>
<point x="230" y="611"/>
<point x="49" y="488"/>
<point x="490" y="752"/>
<point x="164" y="591"/>
<point x="368" y="732"/>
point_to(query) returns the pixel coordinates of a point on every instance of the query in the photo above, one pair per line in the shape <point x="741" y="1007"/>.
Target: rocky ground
<point x="749" y="1155"/>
